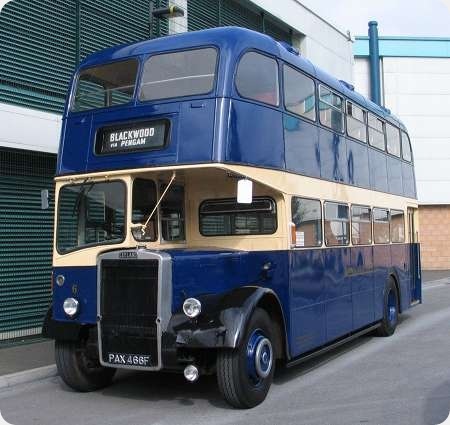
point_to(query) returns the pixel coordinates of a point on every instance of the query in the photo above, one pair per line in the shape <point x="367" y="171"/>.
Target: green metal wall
<point x="42" y="41"/>
<point x="26" y="233"/>
<point x="213" y="13"/>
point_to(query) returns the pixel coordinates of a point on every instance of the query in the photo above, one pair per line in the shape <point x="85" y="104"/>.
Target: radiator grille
<point x="129" y="308"/>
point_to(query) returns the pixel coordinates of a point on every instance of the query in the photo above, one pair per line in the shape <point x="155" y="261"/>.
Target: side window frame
<point x="320" y="242"/>
<point x="347" y="102"/>
<point x="408" y="140"/>
<point x="383" y="132"/>
<point x="283" y="92"/>
<point x="336" y="220"/>
<point x="342" y="112"/>
<point x="278" y="79"/>
<point x="374" y="237"/>
<point x="360" y="221"/>
<point x="387" y="126"/>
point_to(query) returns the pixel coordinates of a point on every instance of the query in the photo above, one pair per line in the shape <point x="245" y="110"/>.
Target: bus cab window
<point x="307" y="217"/>
<point x="380" y="225"/>
<point x="337" y="224"/>
<point x="144" y="200"/>
<point x="172" y="214"/>
<point x="257" y="78"/>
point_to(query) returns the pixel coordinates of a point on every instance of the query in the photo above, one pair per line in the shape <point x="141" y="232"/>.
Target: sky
<point x="425" y="18"/>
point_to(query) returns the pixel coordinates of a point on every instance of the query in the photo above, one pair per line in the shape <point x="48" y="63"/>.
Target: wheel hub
<point x="259" y="356"/>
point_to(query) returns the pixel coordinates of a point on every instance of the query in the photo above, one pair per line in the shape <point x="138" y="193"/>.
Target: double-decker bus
<point x="223" y="206"/>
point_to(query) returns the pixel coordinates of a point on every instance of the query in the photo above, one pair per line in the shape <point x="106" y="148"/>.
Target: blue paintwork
<point x="222" y="127"/>
<point x="324" y="293"/>
<point x="420" y="47"/>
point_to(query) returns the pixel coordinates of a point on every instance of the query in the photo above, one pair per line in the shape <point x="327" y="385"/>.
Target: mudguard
<point x="61" y="331"/>
<point x="222" y="321"/>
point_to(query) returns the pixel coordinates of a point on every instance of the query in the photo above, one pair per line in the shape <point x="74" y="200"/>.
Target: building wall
<point x="435" y="236"/>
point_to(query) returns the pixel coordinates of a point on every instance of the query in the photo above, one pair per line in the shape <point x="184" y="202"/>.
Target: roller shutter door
<point x="26" y="234"/>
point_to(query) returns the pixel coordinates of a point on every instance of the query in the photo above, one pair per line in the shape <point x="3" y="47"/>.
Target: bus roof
<point x="235" y="40"/>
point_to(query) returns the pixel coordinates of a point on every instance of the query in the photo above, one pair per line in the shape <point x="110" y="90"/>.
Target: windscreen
<point x="90" y="214"/>
<point x="105" y="85"/>
<point x="177" y="74"/>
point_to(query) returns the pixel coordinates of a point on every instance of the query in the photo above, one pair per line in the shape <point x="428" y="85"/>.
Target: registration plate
<point x="129" y="359"/>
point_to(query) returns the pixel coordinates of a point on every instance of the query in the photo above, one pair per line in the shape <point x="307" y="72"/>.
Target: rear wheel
<point x="245" y="373"/>
<point x="79" y="366"/>
<point x="391" y="308"/>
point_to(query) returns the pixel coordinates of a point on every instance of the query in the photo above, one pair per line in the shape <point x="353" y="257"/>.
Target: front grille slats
<point x="129" y="308"/>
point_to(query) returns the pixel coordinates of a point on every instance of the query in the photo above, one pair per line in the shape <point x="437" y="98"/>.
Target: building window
<point x="177" y="74"/>
<point x="380" y="225"/>
<point x="225" y="217"/>
<point x="356" y="122"/>
<point x="397" y="226"/>
<point x="330" y="109"/>
<point x="337" y="224"/>
<point x="361" y="225"/>
<point x="393" y="140"/>
<point x="299" y="93"/>
<point x="257" y="78"/>
<point x="406" y="147"/>
<point x="307" y="217"/>
<point x="376" y="132"/>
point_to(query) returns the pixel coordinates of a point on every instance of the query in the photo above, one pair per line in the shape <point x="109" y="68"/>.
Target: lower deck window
<point x="380" y="225"/>
<point x="225" y="217"/>
<point x="337" y="224"/>
<point x="397" y="226"/>
<point x="307" y="217"/>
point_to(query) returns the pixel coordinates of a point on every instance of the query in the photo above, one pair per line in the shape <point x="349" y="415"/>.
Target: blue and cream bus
<point x="223" y="206"/>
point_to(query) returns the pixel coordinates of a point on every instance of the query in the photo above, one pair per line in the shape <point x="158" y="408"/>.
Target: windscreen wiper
<point x="81" y="193"/>
<point x="144" y="226"/>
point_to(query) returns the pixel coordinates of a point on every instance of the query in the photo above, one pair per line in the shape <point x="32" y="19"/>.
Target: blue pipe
<point x="374" y="58"/>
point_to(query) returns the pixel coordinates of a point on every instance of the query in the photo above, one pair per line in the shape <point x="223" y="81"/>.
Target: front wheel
<point x="79" y="367"/>
<point x="245" y="373"/>
<point x="390" y="311"/>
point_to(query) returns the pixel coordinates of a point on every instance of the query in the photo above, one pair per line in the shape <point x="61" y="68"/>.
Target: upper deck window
<point x="376" y="132"/>
<point x="178" y="74"/>
<point x="393" y="140"/>
<point x="105" y="85"/>
<point x="356" y="122"/>
<point x="406" y="147"/>
<point x="257" y="78"/>
<point x="299" y="93"/>
<point x="330" y="108"/>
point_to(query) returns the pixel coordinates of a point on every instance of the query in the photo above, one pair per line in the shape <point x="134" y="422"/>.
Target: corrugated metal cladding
<point x="26" y="233"/>
<point x="213" y="13"/>
<point x="42" y="41"/>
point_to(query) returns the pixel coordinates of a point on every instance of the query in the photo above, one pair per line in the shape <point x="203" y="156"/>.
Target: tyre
<point x="80" y="368"/>
<point x="245" y="373"/>
<point x="390" y="310"/>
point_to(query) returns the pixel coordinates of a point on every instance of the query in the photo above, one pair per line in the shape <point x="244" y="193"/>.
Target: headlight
<point x="71" y="307"/>
<point x="60" y="279"/>
<point x="192" y="307"/>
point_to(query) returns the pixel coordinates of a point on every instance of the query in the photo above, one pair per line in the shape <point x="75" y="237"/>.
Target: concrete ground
<point x="404" y="379"/>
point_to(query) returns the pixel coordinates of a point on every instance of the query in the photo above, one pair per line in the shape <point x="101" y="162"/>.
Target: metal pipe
<point x="374" y="59"/>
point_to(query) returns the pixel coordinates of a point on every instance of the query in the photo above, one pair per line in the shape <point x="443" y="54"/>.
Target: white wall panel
<point x="323" y="44"/>
<point x="24" y="128"/>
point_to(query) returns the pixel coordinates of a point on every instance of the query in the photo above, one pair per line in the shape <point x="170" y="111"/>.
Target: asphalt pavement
<point x="404" y="379"/>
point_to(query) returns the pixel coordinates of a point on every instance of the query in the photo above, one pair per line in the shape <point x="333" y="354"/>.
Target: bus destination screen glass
<point x="139" y="136"/>
<point x="105" y="85"/>
<point x="90" y="214"/>
<point x="178" y="74"/>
